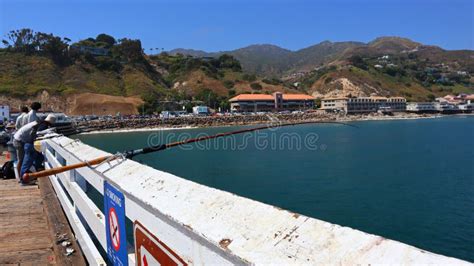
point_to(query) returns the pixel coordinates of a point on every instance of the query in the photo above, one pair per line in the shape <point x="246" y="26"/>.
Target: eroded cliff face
<point x="344" y="87"/>
<point x="78" y="104"/>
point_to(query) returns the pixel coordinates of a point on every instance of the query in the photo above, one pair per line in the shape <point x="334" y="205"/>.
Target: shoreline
<point x="129" y="130"/>
<point x="355" y="118"/>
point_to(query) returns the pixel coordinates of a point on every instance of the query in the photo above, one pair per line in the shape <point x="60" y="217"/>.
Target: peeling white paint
<point x="223" y="226"/>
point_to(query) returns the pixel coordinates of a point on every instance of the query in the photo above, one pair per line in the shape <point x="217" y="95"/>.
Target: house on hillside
<point x="95" y="51"/>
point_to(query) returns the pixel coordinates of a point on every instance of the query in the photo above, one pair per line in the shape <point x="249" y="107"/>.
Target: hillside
<point x="391" y="66"/>
<point x="266" y="59"/>
<point x="317" y="55"/>
<point x="273" y="61"/>
<point x="75" y="77"/>
<point x="210" y="80"/>
<point x="102" y="75"/>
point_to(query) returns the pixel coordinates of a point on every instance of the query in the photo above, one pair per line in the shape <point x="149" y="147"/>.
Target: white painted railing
<point x="202" y="225"/>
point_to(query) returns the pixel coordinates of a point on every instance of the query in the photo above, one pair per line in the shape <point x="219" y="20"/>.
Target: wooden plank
<point x="24" y="233"/>
<point x="24" y="193"/>
<point x="59" y="226"/>
<point x="18" y="241"/>
<point x="28" y="257"/>
<point x="91" y="253"/>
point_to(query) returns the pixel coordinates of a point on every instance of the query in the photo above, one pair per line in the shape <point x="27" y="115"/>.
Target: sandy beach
<point x="178" y="123"/>
<point x="134" y="130"/>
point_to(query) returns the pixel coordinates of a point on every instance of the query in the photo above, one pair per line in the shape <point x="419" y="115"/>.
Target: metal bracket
<point x="71" y="142"/>
<point x="119" y="157"/>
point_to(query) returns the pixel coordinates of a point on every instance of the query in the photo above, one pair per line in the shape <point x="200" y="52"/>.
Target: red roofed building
<point x="275" y="102"/>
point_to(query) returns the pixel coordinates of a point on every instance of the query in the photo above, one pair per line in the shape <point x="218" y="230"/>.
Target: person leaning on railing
<point x="24" y="140"/>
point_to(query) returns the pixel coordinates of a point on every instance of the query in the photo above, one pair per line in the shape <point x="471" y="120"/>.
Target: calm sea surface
<point x="408" y="180"/>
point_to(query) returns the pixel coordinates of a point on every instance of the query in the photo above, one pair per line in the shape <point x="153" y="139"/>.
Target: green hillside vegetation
<point x="28" y="65"/>
<point x="405" y="75"/>
<point x="301" y="65"/>
<point x="32" y="62"/>
<point x="209" y="80"/>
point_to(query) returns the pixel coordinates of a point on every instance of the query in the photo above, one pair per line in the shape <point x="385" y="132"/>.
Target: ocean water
<point x="407" y="180"/>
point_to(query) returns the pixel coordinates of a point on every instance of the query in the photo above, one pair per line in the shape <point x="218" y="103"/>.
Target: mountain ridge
<point x="50" y="69"/>
<point x="310" y="57"/>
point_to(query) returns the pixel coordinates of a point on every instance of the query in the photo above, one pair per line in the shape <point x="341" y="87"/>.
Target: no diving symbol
<point x="116" y="236"/>
<point x="114" y="229"/>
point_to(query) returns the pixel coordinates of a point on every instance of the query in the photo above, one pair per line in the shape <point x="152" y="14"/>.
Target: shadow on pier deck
<point x="32" y="225"/>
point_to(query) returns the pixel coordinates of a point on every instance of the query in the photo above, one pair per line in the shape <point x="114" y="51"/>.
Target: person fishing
<point x="24" y="143"/>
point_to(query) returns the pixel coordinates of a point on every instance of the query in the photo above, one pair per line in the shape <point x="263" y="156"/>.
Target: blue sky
<point x="223" y="25"/>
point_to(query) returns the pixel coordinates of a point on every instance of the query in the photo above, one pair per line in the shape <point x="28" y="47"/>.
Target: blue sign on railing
<point x="114" y="211"/>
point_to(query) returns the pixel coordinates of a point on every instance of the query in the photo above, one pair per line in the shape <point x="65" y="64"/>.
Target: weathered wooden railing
<point x="190" y="223"/>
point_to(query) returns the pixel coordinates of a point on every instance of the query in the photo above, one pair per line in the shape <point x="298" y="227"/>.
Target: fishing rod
<point x="131" y="153"/>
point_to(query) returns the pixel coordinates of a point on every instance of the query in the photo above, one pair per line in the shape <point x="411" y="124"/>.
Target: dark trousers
<point x="32" y="157"/>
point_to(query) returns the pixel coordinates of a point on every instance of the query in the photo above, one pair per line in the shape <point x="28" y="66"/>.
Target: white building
<point x="364" y="104"/>
<point x="4" y="112"/>
<point x="201" y="110"/>
<point x="422" y="107"/>
<point x="466" y="108"/>
<point x="445" y="107"/>
<point x="337" y="104"/>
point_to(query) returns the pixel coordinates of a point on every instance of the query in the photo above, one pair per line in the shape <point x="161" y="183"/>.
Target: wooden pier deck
<point x="32" y="225"/>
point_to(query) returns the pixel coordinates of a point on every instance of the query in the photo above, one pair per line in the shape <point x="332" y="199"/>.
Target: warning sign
<point x="114" y="208"/>
<point x="149" y="250"/>
<point x="114" y="229"/>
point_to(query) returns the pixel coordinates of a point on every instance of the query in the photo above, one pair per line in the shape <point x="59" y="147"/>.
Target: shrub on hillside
<point x="107" y="63"/>
<point x="255" y="86"/>
<point x="273" y="81"/>
<point x="249" y="77"/>
<point x="107" y="40"/>
<point x="229" y="84"/>
<point x="29" y="42"/>
<point x="358" y="61"/>
<point x="227" y="61"/>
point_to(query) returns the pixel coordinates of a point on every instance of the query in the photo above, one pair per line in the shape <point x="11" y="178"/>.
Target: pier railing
<point x="172" y="219"/>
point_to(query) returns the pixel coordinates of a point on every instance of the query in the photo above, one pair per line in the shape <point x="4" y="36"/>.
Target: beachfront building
<point x="468" y="105"/>
<point x="422" y="107"/>
<point x="470" y="99"/>
<point x="270" y="103"/>
<point x="438" y="107"/>
<point x="449" y="104"/>
<point x="364" y="104"/>
<point x="336" y="104"/>
<point x="462" y="103"/>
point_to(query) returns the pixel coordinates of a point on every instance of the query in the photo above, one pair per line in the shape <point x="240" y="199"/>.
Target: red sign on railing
<point x="149" y="250"/>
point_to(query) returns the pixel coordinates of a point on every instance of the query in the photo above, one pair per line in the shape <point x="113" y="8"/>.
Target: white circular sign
<point x="114" y="229"/>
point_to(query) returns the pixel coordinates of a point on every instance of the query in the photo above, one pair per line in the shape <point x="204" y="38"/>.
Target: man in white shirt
<point x="21" y="119"/>
<point x="32" y="116"/>
<point x="24" y="139"/>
